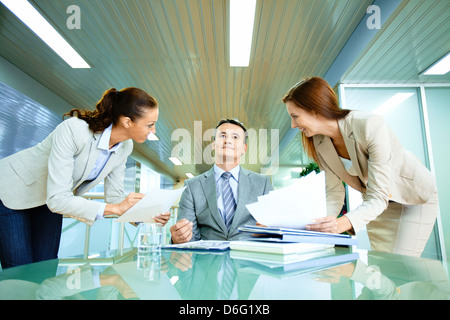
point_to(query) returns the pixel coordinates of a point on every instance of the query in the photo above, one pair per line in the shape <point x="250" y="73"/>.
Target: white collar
<point x="234" y="172"/>
<point x="103" y="143"/>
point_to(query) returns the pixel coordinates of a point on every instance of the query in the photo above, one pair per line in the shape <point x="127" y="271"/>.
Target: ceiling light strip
<point x="37" y="23"/>
<point x="242" y="17"/>
<point x="175" y="161"/>
<point x="441" y="67"/>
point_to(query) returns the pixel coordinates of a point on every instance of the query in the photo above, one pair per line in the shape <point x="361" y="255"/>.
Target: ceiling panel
<point x="177" y="50"/>
<point x="414" y="37"/>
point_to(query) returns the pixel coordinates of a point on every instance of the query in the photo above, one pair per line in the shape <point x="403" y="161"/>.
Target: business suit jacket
<point x="54" y="172"/>
<point x="198" y="204"/>
<point x="385" y="170"/>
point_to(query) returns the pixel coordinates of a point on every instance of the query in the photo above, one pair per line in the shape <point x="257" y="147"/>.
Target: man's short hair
<point x="235" y="122"/>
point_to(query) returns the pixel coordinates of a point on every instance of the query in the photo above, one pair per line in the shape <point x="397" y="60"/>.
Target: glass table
<point x="341" y="273"/>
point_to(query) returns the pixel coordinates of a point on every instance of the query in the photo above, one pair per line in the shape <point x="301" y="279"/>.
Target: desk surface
<point x="227" y="275"/>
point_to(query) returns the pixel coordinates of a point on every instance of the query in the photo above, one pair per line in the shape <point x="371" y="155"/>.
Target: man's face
<point x="229" y="144"/>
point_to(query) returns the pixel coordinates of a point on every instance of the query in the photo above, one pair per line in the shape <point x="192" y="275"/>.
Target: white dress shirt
<point x="103" y="157"/>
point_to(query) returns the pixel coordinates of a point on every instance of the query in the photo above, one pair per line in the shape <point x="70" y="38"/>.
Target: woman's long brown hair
<point x="315" y="95"/>
<point x="129" y="102"/>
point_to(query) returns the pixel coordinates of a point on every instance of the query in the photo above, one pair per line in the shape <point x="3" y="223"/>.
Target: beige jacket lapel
<point x="350" y="144"/>
<point x="326" y="149"/>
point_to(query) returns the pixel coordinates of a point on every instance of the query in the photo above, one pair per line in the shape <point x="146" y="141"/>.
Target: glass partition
<point x="400" y="108"/>
<point x="438" y="106"/>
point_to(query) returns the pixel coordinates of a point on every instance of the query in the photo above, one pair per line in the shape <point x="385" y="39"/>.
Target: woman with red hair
<point x="400" y="200"/>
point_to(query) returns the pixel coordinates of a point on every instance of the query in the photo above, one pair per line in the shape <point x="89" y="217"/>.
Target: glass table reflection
<point x="175" y="274"/>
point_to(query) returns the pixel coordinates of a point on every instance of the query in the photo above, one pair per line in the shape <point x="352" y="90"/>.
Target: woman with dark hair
<point x="400" y="201"/>
<point x="42" y="183"/>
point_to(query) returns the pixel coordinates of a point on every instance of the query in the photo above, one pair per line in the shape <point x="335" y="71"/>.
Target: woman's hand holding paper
<point x="330" y="224"/>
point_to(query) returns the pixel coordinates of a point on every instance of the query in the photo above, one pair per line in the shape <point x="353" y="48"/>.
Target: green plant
<point x="310" y="168"/>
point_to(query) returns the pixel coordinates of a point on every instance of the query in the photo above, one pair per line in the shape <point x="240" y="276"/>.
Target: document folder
<point x="297" y="235"/>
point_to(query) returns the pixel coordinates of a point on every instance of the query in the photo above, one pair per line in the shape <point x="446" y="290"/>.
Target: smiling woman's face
<point x="307" y="122"/>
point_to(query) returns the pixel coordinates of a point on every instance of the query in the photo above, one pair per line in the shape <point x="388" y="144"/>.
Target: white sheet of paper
<point x="294" y="206"/>
<point x="157" y="201"/>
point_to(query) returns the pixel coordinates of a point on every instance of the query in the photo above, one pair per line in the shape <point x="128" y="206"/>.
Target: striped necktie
<point x="229" y="204"/>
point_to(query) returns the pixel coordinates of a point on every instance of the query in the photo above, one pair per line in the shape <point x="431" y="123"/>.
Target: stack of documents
<point x="294" y="206"/>
<point x="154" y="203"/>
<point x="285" y="235"/>
<point x="280" y="249"/>
<point x="287" y="265"/>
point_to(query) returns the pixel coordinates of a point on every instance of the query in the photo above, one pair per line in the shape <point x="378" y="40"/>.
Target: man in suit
<point x="213" y="205"/>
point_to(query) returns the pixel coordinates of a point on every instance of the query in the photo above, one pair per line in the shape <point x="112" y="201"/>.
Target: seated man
<point x="213" y="205"/>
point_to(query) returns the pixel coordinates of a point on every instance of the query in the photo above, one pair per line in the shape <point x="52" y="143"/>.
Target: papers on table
<point x="154" y="203"/>
<point x="290" y="264"/>
<point x="297" y="235"/>
<point x="280" y="249"/>
<point x="202" y="245"/>
<point x="294" y="206"/>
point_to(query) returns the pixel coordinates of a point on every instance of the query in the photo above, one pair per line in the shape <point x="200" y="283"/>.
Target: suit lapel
<point x="92" y="157"/>
<point x="331" y="157"/>
<point x="326" y="149"/>
<point x="350" y="144"/>
<point x="107" y="168"/>
<point x="209" y="188"/>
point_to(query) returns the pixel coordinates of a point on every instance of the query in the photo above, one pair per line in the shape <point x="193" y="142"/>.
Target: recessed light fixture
<point x="242" y="17"/>
<point x="189" y="175"/>
<point x="392" y="102"/>
<point x="152" y="137"/>
<point x="175" y="161"/>
<point x="37" y="23"/>
<point x="440" y="67"/>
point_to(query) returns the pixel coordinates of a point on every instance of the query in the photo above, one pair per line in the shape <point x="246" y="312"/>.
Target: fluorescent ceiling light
<point x="189" y="175"/>
<point x="440" y="67"/>
<point x="152" y="137"/>
<point x="174" y="279"/>
<point x="37" y="23"/>
<point x="175" y="161"/>
<point x="392" y="102"/>
<point x="242" y="16"/>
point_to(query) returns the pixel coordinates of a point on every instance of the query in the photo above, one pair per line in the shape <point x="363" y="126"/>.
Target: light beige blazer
<point x="54" y="172"/>
<point x="385" y="170"/>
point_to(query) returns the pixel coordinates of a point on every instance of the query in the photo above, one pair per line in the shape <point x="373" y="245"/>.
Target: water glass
<point x="150" y="265"/>
<point x="149" y="237"/>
